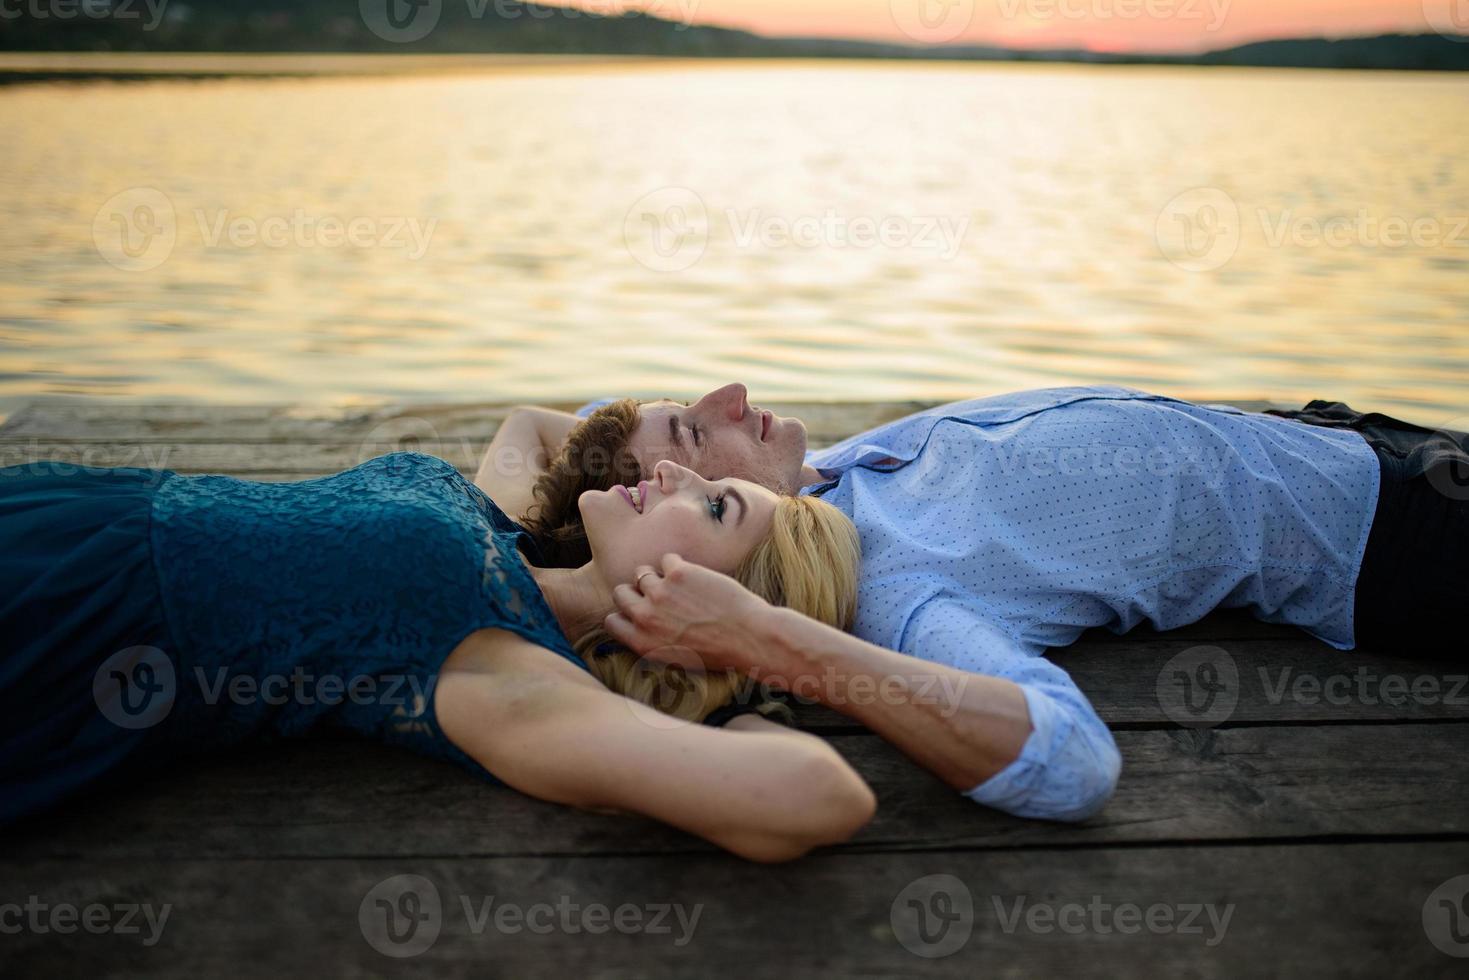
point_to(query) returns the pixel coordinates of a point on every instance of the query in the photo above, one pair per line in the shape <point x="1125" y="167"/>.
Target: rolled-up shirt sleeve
<point x="1068" y="767"/>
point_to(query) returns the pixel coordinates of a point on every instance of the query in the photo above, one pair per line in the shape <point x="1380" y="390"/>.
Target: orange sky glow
<point x="1099" y="25"/>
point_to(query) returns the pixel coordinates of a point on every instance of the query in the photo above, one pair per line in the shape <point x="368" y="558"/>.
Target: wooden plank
<point x="126" y="423"/>
<point x="298" y="459"/>
<point x="99" y="419"/>
<point x="1301" y="911"/>
<point x="334" y="798"/>
<point x="1264" y="674"/>
<point x="1260" y="681"/>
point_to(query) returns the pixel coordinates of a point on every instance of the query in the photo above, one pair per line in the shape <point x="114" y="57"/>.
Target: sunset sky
<point x="1102" y="25"/>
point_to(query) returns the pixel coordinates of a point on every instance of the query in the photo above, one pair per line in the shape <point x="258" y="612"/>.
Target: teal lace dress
<point x="148" y="615"/>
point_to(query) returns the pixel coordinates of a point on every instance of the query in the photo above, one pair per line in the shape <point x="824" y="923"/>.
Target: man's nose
<point x="729" y="400"/>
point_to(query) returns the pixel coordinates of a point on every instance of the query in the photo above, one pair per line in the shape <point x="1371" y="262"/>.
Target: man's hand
<point x="687" y="614"/>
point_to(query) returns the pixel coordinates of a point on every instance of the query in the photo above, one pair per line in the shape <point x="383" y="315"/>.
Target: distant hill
<point x="506" y="26"/>
<point x="1420" y="51"/>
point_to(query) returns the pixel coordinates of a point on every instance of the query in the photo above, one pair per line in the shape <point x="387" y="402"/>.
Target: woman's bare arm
<point x="546" y="728"/>
<point x="518" y="455"/>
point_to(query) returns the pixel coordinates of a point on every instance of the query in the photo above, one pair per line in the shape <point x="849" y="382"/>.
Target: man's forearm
<point x="963" y="727"/>
<point x="553" y="427"/>
<point x="519" y="453"/>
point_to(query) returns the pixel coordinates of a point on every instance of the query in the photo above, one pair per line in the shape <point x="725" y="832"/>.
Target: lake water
<point x="833" y="230"/>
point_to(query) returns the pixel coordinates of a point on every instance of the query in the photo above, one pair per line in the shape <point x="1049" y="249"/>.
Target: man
<point x="994" y="529"/>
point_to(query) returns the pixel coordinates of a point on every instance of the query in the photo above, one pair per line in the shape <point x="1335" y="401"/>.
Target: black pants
<point x="1413" y="590"/>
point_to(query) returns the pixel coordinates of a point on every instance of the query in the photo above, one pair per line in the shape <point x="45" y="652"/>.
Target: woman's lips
<point x="640" y="502"/>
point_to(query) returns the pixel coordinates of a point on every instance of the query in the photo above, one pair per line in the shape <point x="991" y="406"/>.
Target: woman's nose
<point x="669" y="476"/>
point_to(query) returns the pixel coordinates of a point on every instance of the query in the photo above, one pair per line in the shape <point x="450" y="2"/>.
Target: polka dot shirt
<point x="996" y="528"/>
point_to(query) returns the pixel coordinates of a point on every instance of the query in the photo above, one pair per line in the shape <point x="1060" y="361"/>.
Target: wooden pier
<point x="1308" y="822"/>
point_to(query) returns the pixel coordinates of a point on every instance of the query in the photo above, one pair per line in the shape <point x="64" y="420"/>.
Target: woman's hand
<point x="690" y="615"/>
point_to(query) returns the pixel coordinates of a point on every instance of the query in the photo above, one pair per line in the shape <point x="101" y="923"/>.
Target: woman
<point x="150" y="615"/>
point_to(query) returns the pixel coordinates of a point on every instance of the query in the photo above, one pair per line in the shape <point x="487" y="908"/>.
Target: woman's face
<point x="714" y="523"/>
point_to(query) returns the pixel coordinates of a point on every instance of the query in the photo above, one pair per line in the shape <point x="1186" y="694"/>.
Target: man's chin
<point x="798" y="442"/>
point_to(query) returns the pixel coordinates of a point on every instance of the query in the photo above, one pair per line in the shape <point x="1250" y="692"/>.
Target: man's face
<point x="722" y="436"/>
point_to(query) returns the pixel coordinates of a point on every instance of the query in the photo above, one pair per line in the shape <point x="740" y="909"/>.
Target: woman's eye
<point x="716" y="508"/>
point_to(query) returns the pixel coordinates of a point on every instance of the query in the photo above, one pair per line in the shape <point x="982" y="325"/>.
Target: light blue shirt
<point x="993" y="529"/>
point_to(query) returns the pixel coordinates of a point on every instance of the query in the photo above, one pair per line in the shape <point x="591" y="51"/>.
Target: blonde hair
<point x="808" y="562"/>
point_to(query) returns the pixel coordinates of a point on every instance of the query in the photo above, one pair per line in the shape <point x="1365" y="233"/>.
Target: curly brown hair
<point x="595" y="456"/>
